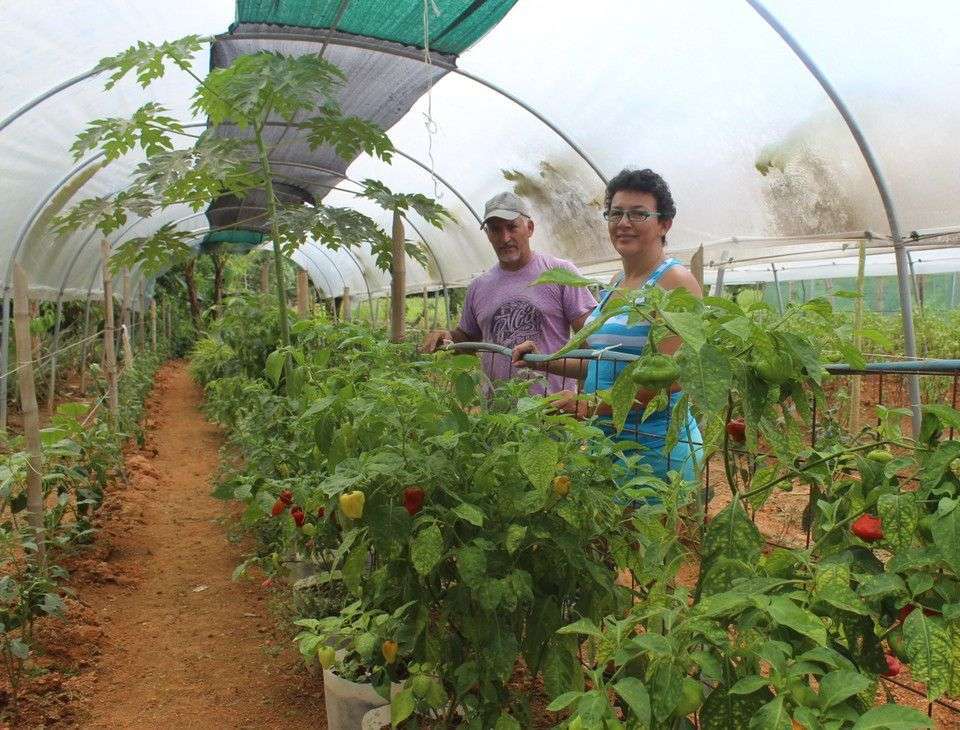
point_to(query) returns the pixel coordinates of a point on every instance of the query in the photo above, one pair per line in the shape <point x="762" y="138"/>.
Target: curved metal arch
<point x="903" y="280"/>
<point x="327" y="286"/>
<point x="330" y="39"/>
<point x="21" y="237"/>
<point x="415" y="55"/>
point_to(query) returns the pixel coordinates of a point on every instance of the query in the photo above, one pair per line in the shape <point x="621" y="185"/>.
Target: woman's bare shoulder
<point x="679" y="277"/>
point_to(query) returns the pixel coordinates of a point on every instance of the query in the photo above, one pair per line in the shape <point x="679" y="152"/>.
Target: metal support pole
<point x="776" y="283"/>
<point x="446" y="301"/>
<point x="28" y="404"/>
<point x="900" y="251"/>
<point x="913" y="278"/>
<point x="398" y="282"/>
<point x="953" y="289"/>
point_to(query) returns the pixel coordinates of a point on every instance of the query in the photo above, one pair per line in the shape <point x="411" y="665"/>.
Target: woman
<point x="639" y="211"/>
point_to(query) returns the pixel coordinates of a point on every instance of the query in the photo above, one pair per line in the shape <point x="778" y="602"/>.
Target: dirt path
<point x="182" y="645"/>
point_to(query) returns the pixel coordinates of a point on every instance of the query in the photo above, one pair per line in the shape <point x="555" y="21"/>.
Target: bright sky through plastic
<point x="701" y="90"/>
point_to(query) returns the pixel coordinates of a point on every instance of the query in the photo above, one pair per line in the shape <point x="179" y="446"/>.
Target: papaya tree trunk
<point x="191" y="281"/>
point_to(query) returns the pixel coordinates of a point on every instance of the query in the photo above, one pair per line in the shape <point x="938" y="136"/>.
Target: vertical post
<point x="953" y="289"/>
<point x="84" y="347"/>
<point x="265" y="278"/>
<point x="398" y="282"/>
<point x="696" y="265"/>
<point x="303" y="294"/>
<point x="109" y="341"/>
<point x="345" y="305"/>
<point x="446" y="303"/>
<point x="153" y="324"/>
<point x="54" y="348"/>
<point x="4" y="357"/>
<point x="436" y="310"/>
<point x="854" y="416"/>
<point x="143" y="314"/>
<point x="426" y="307"/>
<point x="124" y="305"/>
<point x="886" y="197"/>
<point x="127" y="347"/>
<point x="28" y="404"/>
<point x="776" y="283"/>
<point x="717" y="290"/>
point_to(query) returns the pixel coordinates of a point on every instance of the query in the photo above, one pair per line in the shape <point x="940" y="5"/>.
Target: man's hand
<point x="435" y="340"/>
<point x="524" y="348"/>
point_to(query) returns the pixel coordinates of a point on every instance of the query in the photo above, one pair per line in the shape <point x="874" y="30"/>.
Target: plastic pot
<point x="347" y="702"/>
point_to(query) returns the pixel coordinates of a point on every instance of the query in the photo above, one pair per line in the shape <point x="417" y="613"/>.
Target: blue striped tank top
<point x="616" y="334"/>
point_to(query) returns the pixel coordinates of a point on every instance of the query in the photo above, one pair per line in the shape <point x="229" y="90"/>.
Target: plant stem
<point x="275" y="234"/>
<point x="806" y="466"/>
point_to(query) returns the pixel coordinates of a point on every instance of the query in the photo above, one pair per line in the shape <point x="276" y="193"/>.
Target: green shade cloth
<point x="231" y="241"/>
<point x="460" y="23"/>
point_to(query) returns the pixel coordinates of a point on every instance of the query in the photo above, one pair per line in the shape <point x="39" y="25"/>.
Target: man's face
<point x="510" y="240"/>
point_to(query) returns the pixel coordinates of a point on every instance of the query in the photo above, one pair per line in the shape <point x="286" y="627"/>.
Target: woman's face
<point x="631" y="238"/>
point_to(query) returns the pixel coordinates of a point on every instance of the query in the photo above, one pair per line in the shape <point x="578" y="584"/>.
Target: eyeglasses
<point x="634" y="215"/>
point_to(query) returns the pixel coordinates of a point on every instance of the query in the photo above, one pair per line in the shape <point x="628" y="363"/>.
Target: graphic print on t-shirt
<point x="515" y="321"/>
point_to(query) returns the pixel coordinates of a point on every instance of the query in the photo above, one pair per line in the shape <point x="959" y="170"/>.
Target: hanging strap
<point x="652" y="280"/>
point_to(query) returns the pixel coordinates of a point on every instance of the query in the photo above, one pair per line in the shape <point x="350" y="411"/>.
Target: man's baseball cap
<point x="508" y="206"/>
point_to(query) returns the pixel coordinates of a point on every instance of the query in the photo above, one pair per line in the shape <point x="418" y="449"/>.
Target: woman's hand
<point x="529" y="347"/>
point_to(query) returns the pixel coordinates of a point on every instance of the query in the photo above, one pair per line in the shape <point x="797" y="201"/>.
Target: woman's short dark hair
<point x="643" y="181"/>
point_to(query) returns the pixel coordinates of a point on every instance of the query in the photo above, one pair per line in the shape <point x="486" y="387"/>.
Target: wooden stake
<point x="303" y="294"/>
<point x="696" y="265"/>
<point x="265" y="278"/>
<point x="125" y="302"/>
<point x="398" y="282"/>
<point x="345" y="305"/>
<point x="127" y="347"/>
<point x="153" y="324"/>
<point x="28" y="404"/>
<point x="109" y="351"/>
<point x="143" y="315"/>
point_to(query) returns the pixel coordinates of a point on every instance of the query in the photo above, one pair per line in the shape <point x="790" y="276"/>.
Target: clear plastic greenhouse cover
<point x="761" y="165"/>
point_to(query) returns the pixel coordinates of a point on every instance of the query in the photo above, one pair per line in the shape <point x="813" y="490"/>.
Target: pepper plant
<point x="785" y="637"/>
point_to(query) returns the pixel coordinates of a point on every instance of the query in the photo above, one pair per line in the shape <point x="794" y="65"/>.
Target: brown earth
<point x="159" y="635"/>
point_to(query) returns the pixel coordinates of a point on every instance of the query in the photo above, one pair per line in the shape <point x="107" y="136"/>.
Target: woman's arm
<point x="677" y="277"/>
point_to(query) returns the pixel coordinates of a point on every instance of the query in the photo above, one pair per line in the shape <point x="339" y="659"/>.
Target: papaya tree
<point x="254" y="92"/>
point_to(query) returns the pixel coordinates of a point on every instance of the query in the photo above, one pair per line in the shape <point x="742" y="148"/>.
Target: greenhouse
<point x="480" y="363"/>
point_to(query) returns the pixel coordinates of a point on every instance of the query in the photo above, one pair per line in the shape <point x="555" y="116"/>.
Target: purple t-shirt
<point x="503" y="308"/>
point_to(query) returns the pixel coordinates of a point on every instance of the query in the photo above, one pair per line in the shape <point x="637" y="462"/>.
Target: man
<point x="503" y="308"/>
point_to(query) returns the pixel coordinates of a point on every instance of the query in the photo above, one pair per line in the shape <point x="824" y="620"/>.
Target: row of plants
<point x="454" y="547"/>
<point x="81" y="456"/>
